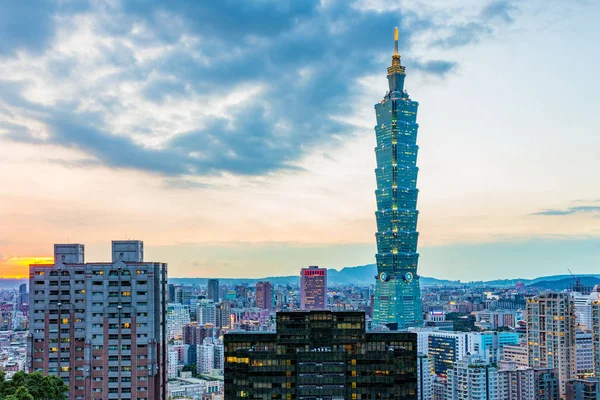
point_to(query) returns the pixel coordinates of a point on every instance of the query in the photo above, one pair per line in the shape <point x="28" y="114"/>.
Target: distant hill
<point x="565" y="283"/>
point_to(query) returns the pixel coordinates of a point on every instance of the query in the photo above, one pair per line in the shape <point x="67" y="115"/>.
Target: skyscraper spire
<point x="396" y="72"/>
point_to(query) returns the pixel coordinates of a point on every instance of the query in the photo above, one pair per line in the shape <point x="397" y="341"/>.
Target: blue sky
<point x="236" y="138"/>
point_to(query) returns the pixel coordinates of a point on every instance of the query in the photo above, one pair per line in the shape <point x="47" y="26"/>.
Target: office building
<point x="445" y="348"/>
<point x="472" y="378"/>
<point x="321" y="354"/>
<point x="264" y="295"/>
<point x="212" y="292"/>
<point x="171" y="289"/>
<point x="526" y="383"/>
<point x="397" y="293"/>
<point x="100" y="326"/>
<point x="551" y="334"/>
<point x="583" y="309"/>
<point x="583" y="389"/>
<point x="313" y="288"/>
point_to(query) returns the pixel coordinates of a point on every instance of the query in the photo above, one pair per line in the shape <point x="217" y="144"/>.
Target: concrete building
<point x="424" y="378"/>
<point x="100" y="326"/>
<point x="206" y="313"/>
<point x="264" y="295"/>
<point x="596" y="335"/>
<point x="472" y="378"/>
<point x="445" y="348"/>
<point x="516" y="354"/>
<point x="223" y="315"/>
<point x="518" y="383"/>
<point x="583" y="309"/>
<point x="583" y="389"/>
<point x="206" y="358"/>
<point x="178" y="315"/>
<point x="584" y="355"/>
<point x="551" y="334"/>
<point x="489" y="345"/>
<point x="313" y="288"/>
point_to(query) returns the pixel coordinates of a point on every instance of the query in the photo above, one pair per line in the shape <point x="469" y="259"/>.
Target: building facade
<point x="320" y="354"/>
<point x="264" y="295"/>
<point x="472" y="378"/>
<point x="397" y="300"/>
<point x="551" y="334"/>
<point x="526" y="383"/>
<point x="101" y="327"/>
<point x="583" y="389"/>
<point x="212" y="292"/>
<point x="313" y="288"/>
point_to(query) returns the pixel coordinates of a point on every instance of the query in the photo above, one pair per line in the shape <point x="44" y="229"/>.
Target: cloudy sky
<point x="236" y="138"/>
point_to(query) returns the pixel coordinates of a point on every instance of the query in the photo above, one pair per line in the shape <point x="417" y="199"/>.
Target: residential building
<point x="516" y="354"/>
<point x="583" y="309"/>
<point x="526" y="383"/>
<point x="584" y="355"/>
<point x="321" y="354"/>
<point x="551" y="334"/>
<point x="472" y="378"/>
<point x="264" y="295"/>
<point x="178" y="315"/>
<point x="397" y="300"/>
<point x="206" y="358"/>
<point x="583" y="389"/>
<point x="223" y="315"/>
<point x="489" y="345"/>
<point x="424" y="377"/>
<point x="313" y="288"/>
<point x="100" y="326"/>
<point x="206" y="312"/>
<point x="596" y="335"/>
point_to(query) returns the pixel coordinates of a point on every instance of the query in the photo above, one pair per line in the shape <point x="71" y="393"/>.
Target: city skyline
<point x="112" y="125"/>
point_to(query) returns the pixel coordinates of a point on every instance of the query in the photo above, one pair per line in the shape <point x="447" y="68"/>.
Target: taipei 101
<point x="299" y="200"/>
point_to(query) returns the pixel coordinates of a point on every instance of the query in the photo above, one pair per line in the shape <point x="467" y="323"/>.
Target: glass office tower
<point x="397" y="293"/>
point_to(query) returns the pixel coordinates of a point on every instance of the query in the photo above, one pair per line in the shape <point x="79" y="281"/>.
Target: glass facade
<point x="397" y="292"/>
<point x="321" y="355"/>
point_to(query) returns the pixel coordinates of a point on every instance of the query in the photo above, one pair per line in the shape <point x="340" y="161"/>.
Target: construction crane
<point x="578" y="286"/>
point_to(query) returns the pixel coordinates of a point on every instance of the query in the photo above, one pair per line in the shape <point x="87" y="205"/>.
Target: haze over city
<point x="237" y="140"/>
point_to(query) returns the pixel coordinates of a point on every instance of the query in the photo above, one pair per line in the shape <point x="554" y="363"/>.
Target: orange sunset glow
<point x="17" y="267"/>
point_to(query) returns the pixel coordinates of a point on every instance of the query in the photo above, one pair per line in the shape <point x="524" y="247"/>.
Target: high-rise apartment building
<point x="424" y="377"/>
<point x="101" y="326"/>
<point x="551" y="334"/>
<point x="321" y="355"/>
<point x="223" y="315"/>
<point x="206" y="312"/>
<point x="397" y="292"/>
<point x="178" y="315"/>
<point x="313" y="288"/>
<point x="526" y="383"/>
<point x="472" y="378"/>
<point x="584" y="355"/>
<point x="212" y="292"/>
<point x="583" y="389"/>
<point x="595" y="323"/>
<point x="264" y="296"/>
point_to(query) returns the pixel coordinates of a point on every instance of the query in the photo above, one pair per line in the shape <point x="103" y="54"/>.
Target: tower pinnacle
<point x="396" y="67"/>
<point x="396" y="41"/>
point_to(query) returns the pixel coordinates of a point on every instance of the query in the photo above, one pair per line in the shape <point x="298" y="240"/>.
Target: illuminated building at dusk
<point x="397" y="292"/>
<point x="313" y="288"/>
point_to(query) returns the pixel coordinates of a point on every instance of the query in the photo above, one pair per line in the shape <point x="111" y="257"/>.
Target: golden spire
<point x="396" y="66"/>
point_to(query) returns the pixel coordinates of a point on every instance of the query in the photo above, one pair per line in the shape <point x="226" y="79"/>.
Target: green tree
<point x="20" y="394"/>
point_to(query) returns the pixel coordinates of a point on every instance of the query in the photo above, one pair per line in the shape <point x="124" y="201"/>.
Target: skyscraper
<point x="551" y="334"/>
<point x="397" y="293"/>
<point x="101" y="327"/>
<point x="313" y="288"/>
<point x="263" y="295"/>
<point x="213" y="290"/>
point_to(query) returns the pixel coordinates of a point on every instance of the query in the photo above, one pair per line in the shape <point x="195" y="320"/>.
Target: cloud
<point x="570" y="211"/>
<point x="482" y="25"/>
<point x="185" y="184"/>
<point x="188" y="88"/>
